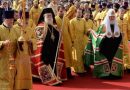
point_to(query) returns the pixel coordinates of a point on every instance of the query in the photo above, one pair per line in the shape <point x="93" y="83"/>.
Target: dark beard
<point x="36" y="7"/>
<point x="61" y="16"/>
<point x="86" y="19"/>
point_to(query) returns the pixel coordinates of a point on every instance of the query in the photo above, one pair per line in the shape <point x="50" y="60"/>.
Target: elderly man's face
<point x="112" y="18"/>
<point x="48" y="18"/>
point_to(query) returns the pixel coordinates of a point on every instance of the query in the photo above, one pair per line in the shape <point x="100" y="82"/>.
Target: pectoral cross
<point x="53" y="37"/>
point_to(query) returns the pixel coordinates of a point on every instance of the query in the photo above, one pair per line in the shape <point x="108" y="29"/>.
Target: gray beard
<point x="49" y="21"/>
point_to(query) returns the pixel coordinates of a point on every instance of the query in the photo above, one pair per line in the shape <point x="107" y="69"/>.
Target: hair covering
<point x="126" y="4"/>
<point x="106" y="22"/>
<point x="8" y="14"/>
<point x="93" y="5"/>
<point x="4" y="1"/>
<point x="99" y="6"/>
<point x="71" y="1"/>
<point x="104" y="4"/>
<point x="116" y="6"/>
<point x="123" y="7"/>
<point x="109" y="5"/>
<point x="45" y="11"/>
<point x="99" y="2"/>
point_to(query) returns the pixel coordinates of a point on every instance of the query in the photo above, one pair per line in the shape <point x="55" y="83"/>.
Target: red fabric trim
<point x="118" y="60"/>
<point x="41" y="24"/>
<point x="37" y="63"/>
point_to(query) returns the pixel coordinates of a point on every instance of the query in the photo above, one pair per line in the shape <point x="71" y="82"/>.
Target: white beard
<point x="49" y="21"/>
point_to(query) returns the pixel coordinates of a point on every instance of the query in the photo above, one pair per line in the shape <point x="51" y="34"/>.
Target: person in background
<point x="16" y="16"/>
<point x="116" y="8"/>
<point x="8" y="50"/>
<point x="82" y="6"/>
<point x="4" y="7"/>
<point x="127" y="10"/>
<point x="125" y="30"/>
<point x="53" y="4"/>
<point x="97" y="18"/>
<point x="89" y="24"/>
<point x="104" y="11"/>
<point x="66" y="7"/>
<point x="77" y="28"/>
<point x="72" y="10"/>
<point x="86" y="7"/>
<point x="63" y="26"/>
<point x="35" y="12"/>
<point x="26" y="46"/>
<point x="42" y="4"/>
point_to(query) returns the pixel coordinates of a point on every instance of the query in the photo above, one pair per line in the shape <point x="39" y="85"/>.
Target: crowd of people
<point x="57" y="40"/>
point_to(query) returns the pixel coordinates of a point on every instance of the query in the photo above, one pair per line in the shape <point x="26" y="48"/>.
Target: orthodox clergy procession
<point x="64" y="43"/>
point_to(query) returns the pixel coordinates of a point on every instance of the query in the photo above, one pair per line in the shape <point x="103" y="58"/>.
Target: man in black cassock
<point x="51" y="37"/>
<point x="49" y="57"/>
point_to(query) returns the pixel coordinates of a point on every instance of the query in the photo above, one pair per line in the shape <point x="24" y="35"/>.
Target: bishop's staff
<point x="22" y="39"/>
<point x="58" y="47"/>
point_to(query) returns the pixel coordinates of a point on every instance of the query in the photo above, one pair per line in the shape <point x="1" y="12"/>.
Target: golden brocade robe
<point x="77" y="28"/>
<point x="15" y="4"/>
<point x="63" y="24"/>
<point x="127" y="15"/>
<point x="103" y="14"/>
<point x="125" y="29"/>
<point x="31" y="24"/>
<point x="6" y="75"/>
<point x="41" y="6"/>
<point x="71" y="12"/>
<point x="35" y="14"/>
<point x="94" y="13"/>
<point x="89" y="24"/>
<point x="23" y="78"/>
<point x="19" y="7"/>
<point x="97" y="19"/>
